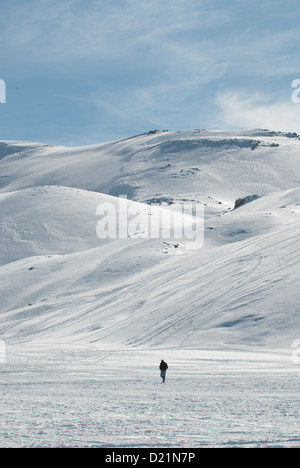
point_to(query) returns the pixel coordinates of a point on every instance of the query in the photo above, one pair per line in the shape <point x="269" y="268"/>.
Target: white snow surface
<point x="85" y="321"/>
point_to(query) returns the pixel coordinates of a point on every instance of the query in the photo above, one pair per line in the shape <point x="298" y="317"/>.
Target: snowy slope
<point x="229" y="164"/>
<point x="60" y="283"/>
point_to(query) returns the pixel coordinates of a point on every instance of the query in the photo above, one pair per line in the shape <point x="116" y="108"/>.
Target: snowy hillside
<point x="61" y="284"/>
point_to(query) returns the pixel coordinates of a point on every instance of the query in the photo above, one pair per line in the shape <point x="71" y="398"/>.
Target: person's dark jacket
<point x="163" y="365"/>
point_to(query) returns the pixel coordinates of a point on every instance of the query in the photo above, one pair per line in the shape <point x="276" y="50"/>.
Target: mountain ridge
<point x="60" y="283"/>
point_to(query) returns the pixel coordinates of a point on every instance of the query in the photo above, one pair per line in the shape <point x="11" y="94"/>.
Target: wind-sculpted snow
<point x="173" y="146"/>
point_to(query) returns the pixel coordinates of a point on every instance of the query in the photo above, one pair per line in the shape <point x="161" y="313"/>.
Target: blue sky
<point x="79" y="72"/>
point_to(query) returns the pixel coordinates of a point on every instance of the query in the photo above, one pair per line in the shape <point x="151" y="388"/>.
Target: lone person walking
<point x="163" y="369"/>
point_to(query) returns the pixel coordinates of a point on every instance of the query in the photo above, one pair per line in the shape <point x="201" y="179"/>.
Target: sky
<point x="80" y="72"/>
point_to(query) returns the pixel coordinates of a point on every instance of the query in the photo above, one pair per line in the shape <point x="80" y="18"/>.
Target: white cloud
<point x="54" y="32"/>
<point x="248" y="112"/>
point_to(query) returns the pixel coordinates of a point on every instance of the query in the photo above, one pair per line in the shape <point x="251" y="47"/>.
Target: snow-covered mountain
<point x="61" y="284"/>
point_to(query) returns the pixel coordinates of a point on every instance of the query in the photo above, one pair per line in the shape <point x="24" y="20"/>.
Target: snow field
<point x="92" y="398"/>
